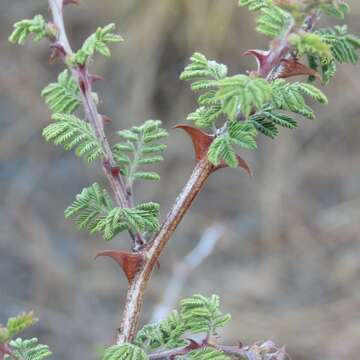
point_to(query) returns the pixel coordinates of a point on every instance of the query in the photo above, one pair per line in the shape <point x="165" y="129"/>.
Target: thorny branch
<point x="271" y="64"/>
<point x="84" y="80"/>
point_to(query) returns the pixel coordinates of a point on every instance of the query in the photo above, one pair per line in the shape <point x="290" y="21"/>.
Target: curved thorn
<point x="200" y="139"/>
<point x="294" y="68"/>
<point x="129" y="262"/>
<point x="261" y="57"/>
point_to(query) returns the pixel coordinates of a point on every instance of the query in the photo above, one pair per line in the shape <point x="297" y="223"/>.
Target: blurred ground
<point x="288" y="265"/>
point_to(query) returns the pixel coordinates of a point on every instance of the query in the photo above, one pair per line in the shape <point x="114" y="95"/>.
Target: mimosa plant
<point x="233" y="110"/>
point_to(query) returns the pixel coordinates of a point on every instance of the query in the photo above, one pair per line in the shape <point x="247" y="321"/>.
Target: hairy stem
<point x="83" y="79"/>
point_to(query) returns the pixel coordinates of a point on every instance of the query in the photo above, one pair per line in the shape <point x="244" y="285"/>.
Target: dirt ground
<point x="287" y="267"/>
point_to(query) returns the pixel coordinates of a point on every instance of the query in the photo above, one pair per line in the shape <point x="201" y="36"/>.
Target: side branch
<point x="84" y="81"/>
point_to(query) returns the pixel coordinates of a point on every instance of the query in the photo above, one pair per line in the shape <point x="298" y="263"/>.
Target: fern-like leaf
<point x="266" y="121"/>
<point x="62" y="96"/>
<point x="344" y="46"/>
<point x="223" y="147"/>
<point x="16" y="325"/>
<point x="206" y="354"/>
<point x="311" y="44"/>
<point x="242" y="93"/>
<point x="165" y="334"/>
<point x="202" y="314"/>
<point x="95" y="212"/>
<point x="71" y="132"/>
<point x="140" y="148"/>
<point x="28" y="350"/>
<point x="253" y="5"/>
<point x="124" y="352"/>
<point x="290" y="96"/>
<point x="97" y="42"/>
<point x="337" y="8"/>
<point x="24" y="28"/>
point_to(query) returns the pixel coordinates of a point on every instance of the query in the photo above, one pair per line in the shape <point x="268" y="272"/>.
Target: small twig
<point x="184" y="268"/>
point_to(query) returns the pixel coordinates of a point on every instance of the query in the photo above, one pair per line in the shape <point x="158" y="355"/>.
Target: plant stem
<point x="152" y="253"/>
<point x="83" y="79"/>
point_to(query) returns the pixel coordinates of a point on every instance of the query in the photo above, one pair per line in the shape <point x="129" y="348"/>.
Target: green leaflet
<point x="202" y="315"/>
<point x="71" y="132"/>
<point x="62" y="96"/>
<point x="97" y="42"/>
<point x="16" y="325"/>
<point x="140" y="148"/>
<point x="241" y="134"/>
<point x="344" y="46"/>
<point x="290" y="97"/>
<point x="266" y="121"/>
<point x="206" y="354"/>
<point x="124" y="352"/>
<point x="95" y="212"/>
<point x="164" y="334"/>
<point x="253" y="5"/>
<point x="337" y="8"/>
<point x="24" y="28"/>
<point x="310" y="44"/>
<point x="28" y="350"/>
<point x="242" y="93"/>
<point x="204" y="75"/>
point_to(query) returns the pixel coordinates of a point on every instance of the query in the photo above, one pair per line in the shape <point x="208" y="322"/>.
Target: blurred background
<point x="287" y="264"/>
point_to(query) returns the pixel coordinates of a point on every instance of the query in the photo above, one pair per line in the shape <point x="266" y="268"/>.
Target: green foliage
<point x="223" y="147"/>
<point x="267" y="120"/>
<point x="310" y="44"/>
<point x="24" y="28"/>
<point x="203" y="71"/>
<point x="16" y="325"/>
<point x="140" y="142"/>
<point x="97" y="42"/>
<point x="337" y="8"/>
<point x="202" y="315"/>
<point x="63" y="95"/>
<point x="253" y="5"/>
<point x="196" y="315"/>
<point x="71" y="132"/>
<point x="343" y="46"/>
<point x="205" y="75"/>
<point x="164" y="334"/>
<point x="290" y="97"/>
<point x="124" y="352"/>
<point x="28" y="350"/>
<point x="96" y="213"/>
<point x="241" y="93"/>
<point x="272" y="21"/>
<point x="206" y="354"/>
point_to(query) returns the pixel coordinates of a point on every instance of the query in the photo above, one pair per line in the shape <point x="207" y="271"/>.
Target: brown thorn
<point x="106" y="119"/>
<point x="93" y="78"/>
<point x="261" y="57"/>
<point x="68" y="2"/>
<point x="200" y="139"/>
<point x="129" y="262"/>
<point x="294" y="68"/>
